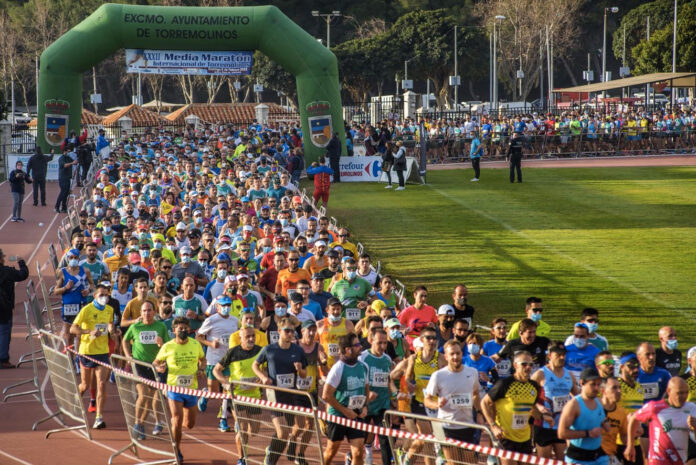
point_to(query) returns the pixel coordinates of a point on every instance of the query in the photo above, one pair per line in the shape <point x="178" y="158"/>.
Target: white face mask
<point x="102" y="300"/>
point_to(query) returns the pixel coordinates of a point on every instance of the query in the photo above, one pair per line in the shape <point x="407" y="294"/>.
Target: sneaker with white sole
<point x="368" y="455"/>
<point x="99" y="423"/>
<point x="158" y="429"/>
<point x="139" y="431"/>
<point x="203" y="402"/>
<point x="474" y="179"/>
<point x="400" y="188"/>
<point x="223" y="426"/>
<point x="388" y="186"/>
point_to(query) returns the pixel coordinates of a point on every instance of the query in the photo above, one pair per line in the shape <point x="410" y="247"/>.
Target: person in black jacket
<point x="514" y="155"/>
<point x="36" y="169"/>
<point x="387" y="163"/>
<point x="333" y="151"/>
<point x="8" y="277"/>
<point x="17" y="179"/>
<point x="65" y="172"/>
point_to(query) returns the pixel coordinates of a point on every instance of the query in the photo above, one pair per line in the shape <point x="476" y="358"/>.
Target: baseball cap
<point x="392" y="323"/>
<point x="223" y="257"/>
<point x="378" y="305"/>
<point x="241" y="275"/>
<point x="445" y="309"/>
<point x="589" y="374"/>
<point x="224" y="300"/>
<point x="181" y="226"/>
<point x="134" y="258"/>
<point x="297" y="199"/>
<point x="320" y="244"/>
<point x="74" y="252"/>
<point x="230" y="279"/>
<point x="333" y="301"/>
<point x="185" y="250"/>
<point x="308" y="324"/>
<point x="317" y="276"/>
<point x="248" y="227"/>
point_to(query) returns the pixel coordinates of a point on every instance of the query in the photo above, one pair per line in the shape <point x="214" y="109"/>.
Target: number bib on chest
<point x="185" y="381"/>
<point x="224" y="340"/>
<point x="651" y="390"/>
<point x="285" y="381"/>
<point x="273" y="337"/>
<point x="380" y="379"/>
<point x="71" y="309"/>
<point x="101" y="327"/>
<point x="460" y="400"/>
<point x="333" y="350"/>
<point x="148" y="337"/>
<point x="305" y="384"/>
<point x="356" y="402"/>
<point x="520" y="421"/>
<point x="353" y="314"/>
<point x="559" y="402"/>
<point x="503" y="368"/>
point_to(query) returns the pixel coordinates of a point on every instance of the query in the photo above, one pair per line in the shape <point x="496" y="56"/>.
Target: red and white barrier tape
<point x="379" y="430"/>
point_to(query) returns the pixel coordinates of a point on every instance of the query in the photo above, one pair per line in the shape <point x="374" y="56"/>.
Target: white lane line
<point x="10" y="217"/>
<point x="209" y="445"/>
<point x="104" y="446"/>
<point x="564" y="255"/>
<point x="16" y="459"/>
<point x="36" y="249"/>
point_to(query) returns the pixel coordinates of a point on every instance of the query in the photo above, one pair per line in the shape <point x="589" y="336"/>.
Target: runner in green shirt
<point x="142" y="342"/>
<point x="352" y="291"/>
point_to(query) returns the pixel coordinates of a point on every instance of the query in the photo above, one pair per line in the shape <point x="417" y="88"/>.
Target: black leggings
<point x="476" y="164"/>
<point x="388" y="173"/>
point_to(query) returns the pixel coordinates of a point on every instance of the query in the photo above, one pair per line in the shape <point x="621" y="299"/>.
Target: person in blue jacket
<point x="475" y="156"/>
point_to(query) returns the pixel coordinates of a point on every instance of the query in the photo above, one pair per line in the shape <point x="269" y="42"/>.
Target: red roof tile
<point x="228" y="113"/>
<point x="139" y="115"/>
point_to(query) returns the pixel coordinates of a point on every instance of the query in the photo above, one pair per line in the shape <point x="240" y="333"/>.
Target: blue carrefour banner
<point x="187" y="62"/>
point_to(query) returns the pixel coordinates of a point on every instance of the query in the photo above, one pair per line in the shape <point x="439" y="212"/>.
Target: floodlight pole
<point x="613" y="9"/>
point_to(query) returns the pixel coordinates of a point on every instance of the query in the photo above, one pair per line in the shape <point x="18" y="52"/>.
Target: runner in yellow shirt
<point x="94" y="324"/>
<point x="184" y="357"/>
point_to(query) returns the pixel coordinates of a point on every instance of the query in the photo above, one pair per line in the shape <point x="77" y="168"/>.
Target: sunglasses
<point x="525" y="364"/>
<point x="500" y="327"/>
<point x="293" y="259"/>
<point x="608" y="362"/>
<point x="288" y="330"/>
<point x="429" y="338"/>
<point x="166" y="267"/>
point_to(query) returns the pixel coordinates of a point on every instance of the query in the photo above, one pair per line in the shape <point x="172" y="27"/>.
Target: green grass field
<point x="617" y="239"/>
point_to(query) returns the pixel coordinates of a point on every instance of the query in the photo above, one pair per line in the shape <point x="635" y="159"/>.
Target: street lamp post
<point x="495" y="60"/>
<point x="327" y="17"/>
<point x="613" y="9"/>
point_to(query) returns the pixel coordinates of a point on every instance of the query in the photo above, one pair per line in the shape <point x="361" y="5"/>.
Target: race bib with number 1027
<point x="148" y="337"/>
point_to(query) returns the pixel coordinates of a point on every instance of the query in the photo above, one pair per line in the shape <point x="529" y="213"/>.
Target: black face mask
<point x="302" y="248"/>
<point x="448" y="324"/>
<point x="460" y="338"/>
<point x="80" y="246"/>
<point x="183" y="335"/>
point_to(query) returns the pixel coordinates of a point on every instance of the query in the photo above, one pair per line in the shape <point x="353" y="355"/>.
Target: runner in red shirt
<point x="418" y="316"/>
<point x="671" y="420"/>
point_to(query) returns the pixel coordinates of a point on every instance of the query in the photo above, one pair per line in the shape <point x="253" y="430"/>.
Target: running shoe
<point x="292" y="447"/>
<point x="368" y="455"/>
<point x="300" y="460"/>
<point x="241" y="462"/>
<point x="99" y="423"/>
<point x="92" y="406"/>
<point x="139" y="432"/>
<point x="158" y="429"/>
<point x="224" y="427"/>
<point x="203" y="402"/>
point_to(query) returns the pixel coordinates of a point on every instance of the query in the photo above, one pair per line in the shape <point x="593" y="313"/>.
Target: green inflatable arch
<point x="265" y="28"/>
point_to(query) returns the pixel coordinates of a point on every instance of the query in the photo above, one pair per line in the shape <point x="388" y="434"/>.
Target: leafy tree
<point x="655" y="55"/>
<point x="269" y="73"/>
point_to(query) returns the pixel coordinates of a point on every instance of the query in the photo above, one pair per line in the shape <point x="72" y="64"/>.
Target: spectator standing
<point x="36" y="169"/>
<point x="333" y="150"/>
<point x="65" y="171"/>
<point x="514" y="155"/>
<point x="17" y="179"/>
<point x="475" y="155"/>
<point x="400" y="164"/>
<point x="387" y="163"/>
<point x="8" y="277"/>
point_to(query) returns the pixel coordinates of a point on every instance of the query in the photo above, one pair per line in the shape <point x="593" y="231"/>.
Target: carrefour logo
<point x="374" y="168"/>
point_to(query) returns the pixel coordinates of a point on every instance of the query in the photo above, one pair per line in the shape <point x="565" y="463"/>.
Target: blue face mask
<point x="281" y="311"/>
<point x="672" y="344"/>
<point x="473" y="348"/>
<point x="224" y="310"/>
<point x="536" y="317"/>
<point x="395" y="334"/>
<point x="335" y="318"/>
<point x="350" y="275"/>
<point x="267" y="249"/>
<point x="592" y="327"/>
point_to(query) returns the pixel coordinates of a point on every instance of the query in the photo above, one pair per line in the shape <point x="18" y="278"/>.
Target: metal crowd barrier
<point x="434" y="446"/>
<point x="61" y="370"/>
<point x="35" y="389"/>
<point x="145" y="406"/>
<point x="295" y="433"/>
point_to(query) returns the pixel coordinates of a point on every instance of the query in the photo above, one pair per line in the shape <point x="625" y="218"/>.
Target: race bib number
<point x="249" y="380"/>
<point x="356" y="402"/>
<point x="650" y="390"/>
<point x="285" y="381"/>
<point x="273" y="337"/>
<point x="224" y="340"/>
<point x="333" y="350"/>
<point x="71" y="309"/>
<point x="460" y="400"/>
<point x="184" y="381"/>
<point x="101" y="327"/>
<point x="503" y="368"/>
<point x="520" y="421"/>
<point x="305" y="384"/>
<point x="353" y="314"/>
<point x="380" y="379"/>
<point x="148" y="337"/>
<point x="559" y="402"/>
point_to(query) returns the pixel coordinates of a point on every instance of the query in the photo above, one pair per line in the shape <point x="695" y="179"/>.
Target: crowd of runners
<point x="569" y="133"/>
<point x="196" y="253"/>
